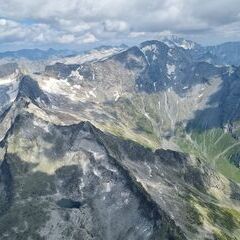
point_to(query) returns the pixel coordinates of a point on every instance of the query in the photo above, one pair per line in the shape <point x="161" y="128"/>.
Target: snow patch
<point x="93" y="76"/>
<point x="187" y="44"/>
<point x="84" y="164"/>
<point x="97" y="173"/>
<point x="76" y="74"/>
<point x="10" y="78"/>
<point x="53" y="85"/>
<point x="154" y="85"/>
<point x="171" y="69"/>
<point x="111" y="169"/>
<point x="169" y="53"/>
<point x="87" y="95"/>
<point x="116" y="95"/>
<point x="93" y="55"/>
<point x="108" y="186"/>
<point x="154" y="57"/>
<point x="147" y="116"/>
<point x="77" y="86"/>
<point x="151" y="47"/>
<point x="97" y="155"/>
<point x="230" y="71"/>
<point x="149" y="169"/>
<point x="91" y="93"/>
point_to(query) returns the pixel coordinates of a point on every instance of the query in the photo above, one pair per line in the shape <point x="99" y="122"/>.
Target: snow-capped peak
<point x="180" y="42"/>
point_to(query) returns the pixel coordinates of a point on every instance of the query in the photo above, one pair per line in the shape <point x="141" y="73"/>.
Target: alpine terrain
<point x="121" y="143"/>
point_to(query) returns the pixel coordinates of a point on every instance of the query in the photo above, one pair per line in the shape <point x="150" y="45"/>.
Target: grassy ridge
<point x="216" y="147"/>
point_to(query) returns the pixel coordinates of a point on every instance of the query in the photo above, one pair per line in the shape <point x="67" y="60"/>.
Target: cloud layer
<point x="79" y="22"/>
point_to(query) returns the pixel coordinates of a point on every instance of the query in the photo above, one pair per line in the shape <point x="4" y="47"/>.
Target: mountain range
<point x="137" y="142"/>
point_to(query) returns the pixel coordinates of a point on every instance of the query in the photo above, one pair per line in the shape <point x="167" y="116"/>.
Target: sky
<point x="78" y="24"/>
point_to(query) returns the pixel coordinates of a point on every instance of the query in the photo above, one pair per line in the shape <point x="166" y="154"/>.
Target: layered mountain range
<point x="122" y="143"/>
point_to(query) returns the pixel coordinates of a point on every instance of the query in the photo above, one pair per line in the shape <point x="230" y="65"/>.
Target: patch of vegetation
<point x="224" y="222"/>
<point x="235" y="159"/>
<point x="193" y="217"/>
<point x="143" y="124"/>
<point x="187" y="147"/>
<point x="216" y="147"/>
<point x="222" y="236"/>
<point x="228" y="169"/>
<point x="224" y="217"/>
<point x="131" y="122"/>
<point x="127" y="133"/>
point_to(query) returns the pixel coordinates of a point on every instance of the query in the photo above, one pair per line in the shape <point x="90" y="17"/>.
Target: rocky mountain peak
<point x="174" y="40"/>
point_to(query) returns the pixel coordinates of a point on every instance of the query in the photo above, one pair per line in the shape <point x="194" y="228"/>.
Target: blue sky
<point x="84" y="23"/>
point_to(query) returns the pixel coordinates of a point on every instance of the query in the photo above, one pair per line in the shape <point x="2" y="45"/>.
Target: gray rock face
<point x="226" y="53"/>
<point x="7" y="69"/>
<point x="225" y="102"/>
<point x="171" y="68"/>
<point x="29" y="88"/>
<point x="9" y="80"/>
<point x="60" y="70"/>
<point x="111" y="204"/>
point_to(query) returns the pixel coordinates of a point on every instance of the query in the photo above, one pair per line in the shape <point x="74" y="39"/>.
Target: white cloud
<point x="137" y="34"/>
<point x="88" y="38"/>
<point x="115" y="26"/>
<point x="3" y="22"/>
<point x="66" y="38"/>
<point x="86" y="21"/>
<point x="72" y="26"/>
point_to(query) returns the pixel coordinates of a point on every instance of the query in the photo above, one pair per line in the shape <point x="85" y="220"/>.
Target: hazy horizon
<point x="98" y="44"/>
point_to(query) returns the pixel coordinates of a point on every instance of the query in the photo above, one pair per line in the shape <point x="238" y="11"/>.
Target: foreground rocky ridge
<point x="82" y="148"/>
<point x="76" y="181"/>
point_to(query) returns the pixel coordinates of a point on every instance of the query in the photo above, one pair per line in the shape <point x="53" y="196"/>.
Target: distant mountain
<point x="180" y="42"/>
<point x="107" y="47"/>
<point x="36" y="54"/>
<point x="226" y="53"/>
<point x="223" y="54"/>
